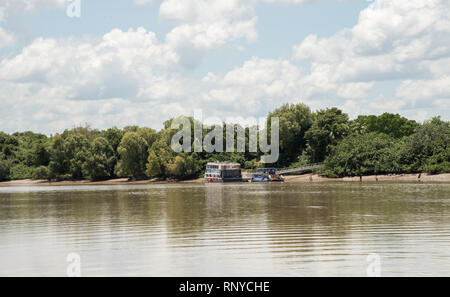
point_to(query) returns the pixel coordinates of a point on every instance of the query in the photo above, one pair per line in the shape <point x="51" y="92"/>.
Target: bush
<point x="359" y="155"/>
<point x="427" y="150"/>
<point x="438" y="163"/>
<point x="41" y="173"/>
<point x="4" y="171"/>
<point x="253" y="164"/>
<point x="183" y="166"/>
<point x="21" y="171"/>
<point x="64" y="177"/>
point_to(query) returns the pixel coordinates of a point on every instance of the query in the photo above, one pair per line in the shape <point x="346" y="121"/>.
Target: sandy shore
<point x="372" y="178"/>
<point x="288" y="179"/>
<point x="29" y="182"/>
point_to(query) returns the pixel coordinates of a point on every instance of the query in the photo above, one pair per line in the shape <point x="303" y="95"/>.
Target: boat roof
<point x="222" y="163"/>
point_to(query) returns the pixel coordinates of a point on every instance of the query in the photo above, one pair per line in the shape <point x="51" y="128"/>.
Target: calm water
<point x="227" y="230"/>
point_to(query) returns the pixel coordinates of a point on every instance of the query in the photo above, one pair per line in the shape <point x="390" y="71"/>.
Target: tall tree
<point x="133" y="151"/>
<point x="393" y="125"/>
<point x="329" y="127"/>
<point x="295" y="120"/>
<point x="100" y="160"/>
<point x="427" y="148"/>
<point x="359" y="155"/>
<point x="4" y="170"/>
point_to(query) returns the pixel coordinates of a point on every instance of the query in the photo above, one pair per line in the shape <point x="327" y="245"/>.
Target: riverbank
<point x="306" y="178"/>
<point x="372" y="178"/>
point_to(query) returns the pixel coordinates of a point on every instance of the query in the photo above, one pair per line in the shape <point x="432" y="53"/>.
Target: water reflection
<point x="227" y="230"/>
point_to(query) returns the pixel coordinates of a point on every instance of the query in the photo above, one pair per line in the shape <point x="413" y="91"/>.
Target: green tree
<point x="40" y="155"/>
<point x="295" y="120"/>
<point x="148" y="134"/>
<point x="161" y="153"/>
<point x="59" y="165"/>
<point x="20" y="171"/>
<point x="41" y="173"/>
<point x="359" y="155"/>
<point x="8" y="146"/>
<point x="67" y="155"/>
<point x="133" y="150"/>
<point x="153" y="165"/>
<point x="114" y="137"/>
<point x="439" y="162"/>
<point x="183" y="166"/>
<point x="30" y="149"/>
<point x="328" y="128"/>
<point x="393" y="125"/>
<point x="76" y="147"/>
<point x="4" y="170"/>
<point x="99" y="160"/>
<point x="427" y="148"/>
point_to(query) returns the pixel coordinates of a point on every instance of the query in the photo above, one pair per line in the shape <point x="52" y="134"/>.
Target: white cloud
<point x="205" y="25"/>
<point x="389" y="39"/>
<point x="422" y="90"/>
<point x="128" y="78"/>
<point x="193" y="41"/>
<point x="131" y="77"/>
<point x="125" y="78"/>
<point x="121" y="65"/>
<point x="393" y="40"/>
<point x="259" y="83"/>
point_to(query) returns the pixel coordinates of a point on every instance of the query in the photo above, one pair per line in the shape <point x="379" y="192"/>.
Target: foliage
<point x="367" y="145"/>
<point x="153" y="165"/>
<point x="183" y="166"/>
<point x="20" y="171"/>
<point x="4" y="170"/>
<point x="427" y="149"/>
<point x="100" y="160"/>
<point x="41" y="173"/>
<point x="295" y="120"/>
<point x="67" y="154"/>
<point x="393" y="125"/>
<point x="133" y="152"/>
<point x="330" y="126"/>
<point x="359" y="155"/>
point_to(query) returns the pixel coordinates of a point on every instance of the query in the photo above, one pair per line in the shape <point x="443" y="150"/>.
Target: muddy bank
<point x="372" y="178"/>
<point x="288" y="179"/>
<point x="118" y="181"/>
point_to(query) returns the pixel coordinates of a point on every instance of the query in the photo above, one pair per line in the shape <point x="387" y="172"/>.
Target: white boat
<point x="223" y="172"/>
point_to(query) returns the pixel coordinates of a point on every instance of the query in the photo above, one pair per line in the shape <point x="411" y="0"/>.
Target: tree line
<point x="385" y="144"/>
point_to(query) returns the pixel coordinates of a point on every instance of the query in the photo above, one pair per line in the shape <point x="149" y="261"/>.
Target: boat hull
<point x="226" y="180"/>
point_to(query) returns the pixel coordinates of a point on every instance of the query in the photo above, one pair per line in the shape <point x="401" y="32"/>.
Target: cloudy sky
<point x="127" y="62"/>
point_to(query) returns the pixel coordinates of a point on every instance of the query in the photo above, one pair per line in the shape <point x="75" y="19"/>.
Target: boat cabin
<point x="223" y="172"/>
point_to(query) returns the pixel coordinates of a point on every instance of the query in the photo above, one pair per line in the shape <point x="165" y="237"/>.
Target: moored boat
<point x="265" y="175"/>
<point x="223" y="172"/>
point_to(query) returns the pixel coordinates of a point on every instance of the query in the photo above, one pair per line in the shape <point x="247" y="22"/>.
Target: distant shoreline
<point x="307" y="178"/>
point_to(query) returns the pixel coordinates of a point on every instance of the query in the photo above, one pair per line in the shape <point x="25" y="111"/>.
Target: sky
<point x="141" y="62"/>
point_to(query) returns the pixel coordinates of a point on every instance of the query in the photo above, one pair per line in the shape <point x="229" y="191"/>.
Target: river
<point x="309" y="229"/>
